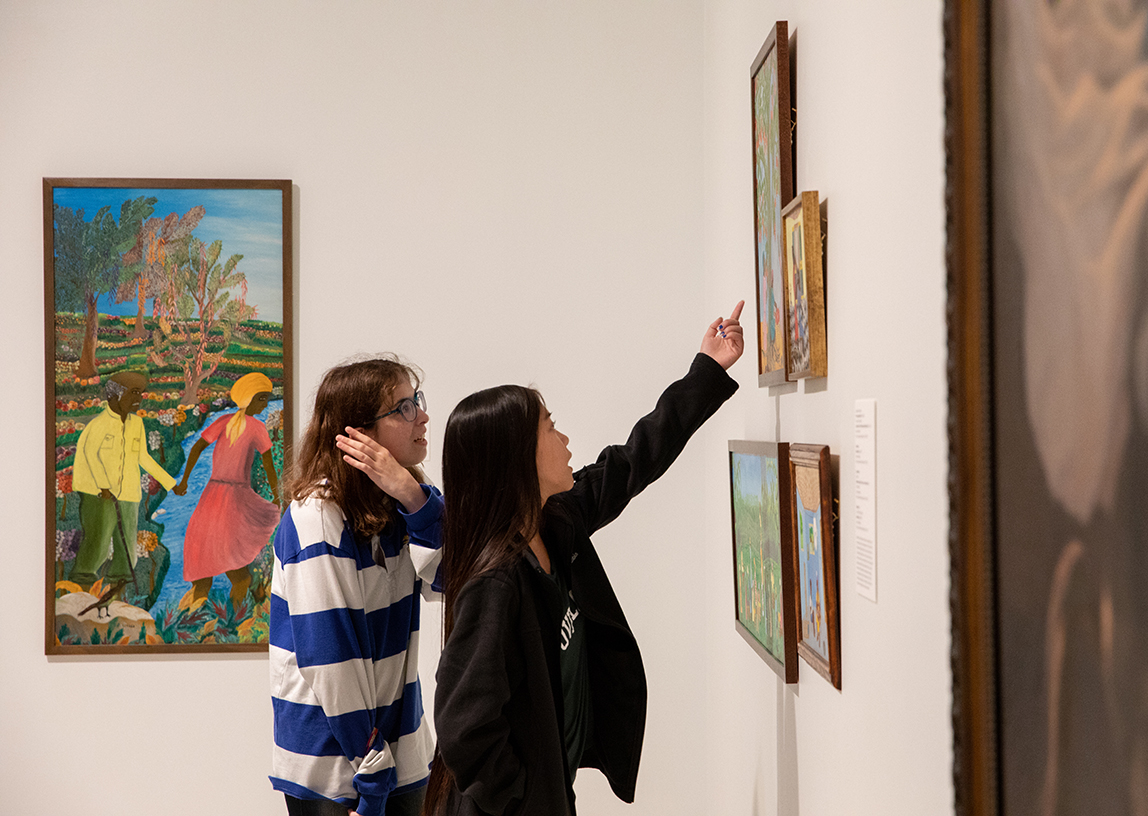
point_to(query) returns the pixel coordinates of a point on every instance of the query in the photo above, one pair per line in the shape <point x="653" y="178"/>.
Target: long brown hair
<point x="493" y="506"/>
<point x="349" y="395"/>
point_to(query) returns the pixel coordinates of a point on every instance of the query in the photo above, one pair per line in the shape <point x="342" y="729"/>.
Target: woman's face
<point x="553" y="458"/>
<point x="258" y="403"/>
<point x="406" y="441"/>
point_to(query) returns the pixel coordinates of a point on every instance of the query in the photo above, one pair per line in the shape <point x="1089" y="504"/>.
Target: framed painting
<point x="168" y="382"/>
<point x="804" y="287"/>
<point x="811" y="514"/>
<point x="1048" y="380"/>
<point x="977" y="752"/>
<point x="772" y="190"/>
<point x="765" y="612"/>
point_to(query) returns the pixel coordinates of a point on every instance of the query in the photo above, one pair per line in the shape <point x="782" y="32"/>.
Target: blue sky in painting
<point x="749" y="484"/>
<point x="248" y="222"/>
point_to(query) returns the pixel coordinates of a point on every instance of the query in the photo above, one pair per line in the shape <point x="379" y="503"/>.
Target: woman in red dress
<point x="231" y="522"/>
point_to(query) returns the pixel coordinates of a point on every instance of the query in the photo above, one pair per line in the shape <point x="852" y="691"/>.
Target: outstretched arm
<point x="192" y="457"/>
<point x="602" y="490"/>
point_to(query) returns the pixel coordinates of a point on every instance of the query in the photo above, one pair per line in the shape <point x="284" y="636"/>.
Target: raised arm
<point x="424" y="526"/>
<point x="602" y="490"/>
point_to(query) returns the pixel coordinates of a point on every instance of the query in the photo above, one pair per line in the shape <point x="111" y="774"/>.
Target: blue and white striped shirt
<point x="349" y="723"/>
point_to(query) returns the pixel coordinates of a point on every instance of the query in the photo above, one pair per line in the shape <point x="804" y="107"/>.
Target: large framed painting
<point x="804" y="287"/>
<point x="812" y="517"/>
<point x="772" y="189"/>
<point x="1048" y="373"/>
<point x="168" y="382"/>
<point x="765" y="609"/>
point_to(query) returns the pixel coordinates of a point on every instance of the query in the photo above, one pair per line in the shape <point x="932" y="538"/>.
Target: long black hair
<point x="493" y="505"/>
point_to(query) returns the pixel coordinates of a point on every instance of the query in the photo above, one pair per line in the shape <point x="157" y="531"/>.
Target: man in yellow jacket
<point x="106" y="474"/>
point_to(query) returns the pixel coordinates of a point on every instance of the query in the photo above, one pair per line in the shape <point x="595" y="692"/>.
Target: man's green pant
<point x="101" y="520"/>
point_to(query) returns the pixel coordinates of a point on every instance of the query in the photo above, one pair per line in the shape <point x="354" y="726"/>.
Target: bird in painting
<point x="104" y="601"/>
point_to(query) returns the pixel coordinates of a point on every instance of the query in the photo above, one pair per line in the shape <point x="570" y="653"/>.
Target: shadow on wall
<point x="787" y="791"/>
<point x="787" y="803"/>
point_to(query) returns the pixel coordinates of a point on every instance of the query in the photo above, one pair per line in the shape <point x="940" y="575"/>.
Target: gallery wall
<point x="870" y="140"/>
<point x="556" y="194"/>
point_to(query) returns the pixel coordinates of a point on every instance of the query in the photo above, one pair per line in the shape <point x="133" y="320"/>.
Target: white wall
<point x="870" y="102"/>
<point x="518" y="192"/>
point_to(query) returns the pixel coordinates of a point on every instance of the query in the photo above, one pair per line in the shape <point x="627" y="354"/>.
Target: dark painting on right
<point x="1048" y="149"/>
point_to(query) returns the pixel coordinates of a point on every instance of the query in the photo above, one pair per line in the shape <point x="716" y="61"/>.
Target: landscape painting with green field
<point x="167" y="420"/>
<point x="757" y="531"/>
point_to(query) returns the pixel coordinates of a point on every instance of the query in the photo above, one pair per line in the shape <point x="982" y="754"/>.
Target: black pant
<point x="403" y="804"/>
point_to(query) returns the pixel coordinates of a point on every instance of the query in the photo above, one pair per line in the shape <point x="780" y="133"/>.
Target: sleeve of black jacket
<point x="473" y="685"/>
<point x="602" y="490"/>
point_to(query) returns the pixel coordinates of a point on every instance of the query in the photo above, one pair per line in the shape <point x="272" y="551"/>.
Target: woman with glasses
<point x="540" y="674"/>
<point x="355" y="549"/>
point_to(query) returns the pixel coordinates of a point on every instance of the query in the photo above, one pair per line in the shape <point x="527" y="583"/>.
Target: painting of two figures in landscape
<point x="167" y="415"/>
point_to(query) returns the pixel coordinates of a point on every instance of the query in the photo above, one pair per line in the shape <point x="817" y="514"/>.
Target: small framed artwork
<point x="168" y="351"/>
<point x="811" y="513"/>
<point x="765" y="587"/>
<point x="772" y="190"/>
<point x="804" y="287"/>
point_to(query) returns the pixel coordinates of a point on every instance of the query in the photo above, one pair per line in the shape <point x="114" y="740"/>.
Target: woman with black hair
<point x="540" y="674"/>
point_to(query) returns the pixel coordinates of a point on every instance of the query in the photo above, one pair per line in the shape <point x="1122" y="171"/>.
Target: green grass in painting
<point x="254" y="346"/>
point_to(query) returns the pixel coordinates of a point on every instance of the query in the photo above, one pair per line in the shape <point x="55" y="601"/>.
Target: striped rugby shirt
<point x="349" y="723"/>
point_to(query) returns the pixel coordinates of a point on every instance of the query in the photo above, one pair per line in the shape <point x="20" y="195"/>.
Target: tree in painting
<point x="143" y="276"/>
<point x="88" y="261"/>
<point x="198" y="311"/>
<point x="195" y="340"/>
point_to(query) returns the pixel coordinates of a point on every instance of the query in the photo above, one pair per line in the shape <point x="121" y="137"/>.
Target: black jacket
<point x="498" y="703"/>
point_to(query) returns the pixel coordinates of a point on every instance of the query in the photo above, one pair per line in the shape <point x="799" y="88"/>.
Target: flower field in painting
<point x="137" y="615"/>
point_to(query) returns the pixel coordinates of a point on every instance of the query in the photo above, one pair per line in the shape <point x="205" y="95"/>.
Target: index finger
<point x="736" y="313"/>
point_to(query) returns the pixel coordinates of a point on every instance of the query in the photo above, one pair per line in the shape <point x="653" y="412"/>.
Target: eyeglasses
<point x="408" y="407"/>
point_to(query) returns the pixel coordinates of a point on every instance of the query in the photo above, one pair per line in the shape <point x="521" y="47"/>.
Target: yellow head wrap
<point x="244" y="390"/>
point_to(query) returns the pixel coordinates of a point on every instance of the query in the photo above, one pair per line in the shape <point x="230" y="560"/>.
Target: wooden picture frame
<point x="167" y="316"/>
<point x="765" y="586"/>
<point x="804" y="287"/>
<point x="975" y="713"/>
<point x="1048" y="401"/>
<point x="773" y="185"/>
<point x="815" y="554"/>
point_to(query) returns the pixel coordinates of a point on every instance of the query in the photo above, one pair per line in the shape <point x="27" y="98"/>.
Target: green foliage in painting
<point x="144" y="274"/>
<point x="200" y="300"/>
<point x="88" y="261"/>
<point x="757" y="526"/>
